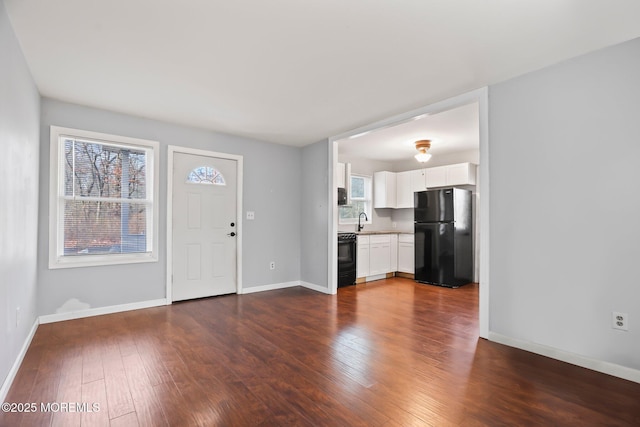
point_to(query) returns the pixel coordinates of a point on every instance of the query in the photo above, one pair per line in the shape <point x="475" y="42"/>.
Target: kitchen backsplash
<point x="384" y="219"/>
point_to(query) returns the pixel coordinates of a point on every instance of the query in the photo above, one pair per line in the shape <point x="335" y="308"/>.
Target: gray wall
<point x="19" y="119"/>
<point x="564" y="154"/>
<point x="314" y="211"/>
<point x="272" y="188"/>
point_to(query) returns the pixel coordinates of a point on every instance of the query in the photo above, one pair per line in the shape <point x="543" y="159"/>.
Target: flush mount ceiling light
<point x="422" y="146"/>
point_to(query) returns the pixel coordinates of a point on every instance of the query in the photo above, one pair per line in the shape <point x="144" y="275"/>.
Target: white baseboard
<point x="16" y="365"/>
<point x="271" y="287"/>
<point x="315" y="287"/>
<point x="565" y="356"/>
<point x="59" y="317"/>
<point x="284" y="285"/>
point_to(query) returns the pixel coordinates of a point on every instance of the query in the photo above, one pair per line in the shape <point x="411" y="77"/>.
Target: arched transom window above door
<point x="205" y="175"/>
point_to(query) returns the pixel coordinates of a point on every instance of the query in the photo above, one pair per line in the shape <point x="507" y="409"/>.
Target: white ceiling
<point x="295" y="72"/>
<point x="450" y="131"/>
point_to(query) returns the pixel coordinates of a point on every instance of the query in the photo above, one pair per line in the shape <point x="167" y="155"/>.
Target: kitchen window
<point x="103" y="199"/>
<point x="361" y="201"/>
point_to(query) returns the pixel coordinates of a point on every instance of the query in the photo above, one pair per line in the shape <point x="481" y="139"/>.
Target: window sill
<point x="100" y="260"/>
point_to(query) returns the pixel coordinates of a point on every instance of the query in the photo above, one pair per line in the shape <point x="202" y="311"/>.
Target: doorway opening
<point x="477" y="99"/>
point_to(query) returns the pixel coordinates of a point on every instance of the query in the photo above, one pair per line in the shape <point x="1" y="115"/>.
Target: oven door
<point x="346" y="262"/>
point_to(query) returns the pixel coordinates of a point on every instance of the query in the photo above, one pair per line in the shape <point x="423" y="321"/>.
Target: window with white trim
<point x="103" y="199"/>
<point x="361" y="201"/>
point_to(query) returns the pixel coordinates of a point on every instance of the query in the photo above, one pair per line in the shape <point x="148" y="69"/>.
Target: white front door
<point x="204" y="226"/>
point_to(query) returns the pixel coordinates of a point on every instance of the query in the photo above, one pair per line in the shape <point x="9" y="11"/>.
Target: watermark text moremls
<point x="69" y="407"/>
<point x="23" y="407"/>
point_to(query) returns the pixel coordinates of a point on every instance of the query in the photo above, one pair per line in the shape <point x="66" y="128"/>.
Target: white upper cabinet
<point x="340" y="176"/>
<point x="384" y="189"/>
<point x="461" y="174"/>
<point x="404" y="191"/>
<point x="418" y="180"/>
<point x="450" y="175"/>
<point x="436" y="177"/>
<point x="395" y="189"/>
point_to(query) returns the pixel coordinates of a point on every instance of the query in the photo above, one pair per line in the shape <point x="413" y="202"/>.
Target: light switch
<point x="251" y="215"/>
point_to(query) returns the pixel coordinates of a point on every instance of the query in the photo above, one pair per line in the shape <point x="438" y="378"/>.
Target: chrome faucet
<point x="360" y="227"/>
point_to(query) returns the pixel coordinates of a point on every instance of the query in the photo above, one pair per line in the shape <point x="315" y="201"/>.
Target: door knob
<point x="231" y="234"/>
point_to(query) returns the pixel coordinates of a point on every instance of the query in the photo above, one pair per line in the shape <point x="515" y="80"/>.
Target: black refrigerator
<point x="443" y="237"/>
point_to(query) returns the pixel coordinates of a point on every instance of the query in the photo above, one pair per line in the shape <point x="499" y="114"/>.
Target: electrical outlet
<point x="620" y="321"/>
<point x="251" y="215"/>
<point x="272" y="265"/>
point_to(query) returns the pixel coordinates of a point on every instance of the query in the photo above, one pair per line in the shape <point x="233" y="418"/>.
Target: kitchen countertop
<point x="370" y="232"/>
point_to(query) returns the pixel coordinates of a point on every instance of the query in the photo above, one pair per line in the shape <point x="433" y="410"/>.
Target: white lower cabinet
<point x="384" y="253"/>
<point x="362" y="257"/>
<point x="379" y="254"/>
<point x="406" y="253"/>
<point x="394" y="252"/>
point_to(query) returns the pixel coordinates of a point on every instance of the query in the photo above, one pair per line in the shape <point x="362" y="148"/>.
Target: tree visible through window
<point x="104" y="203"/>
<point x="104" y="200"/>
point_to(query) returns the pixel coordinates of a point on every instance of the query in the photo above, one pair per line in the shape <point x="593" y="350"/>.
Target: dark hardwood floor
<point x="386" y="353"/>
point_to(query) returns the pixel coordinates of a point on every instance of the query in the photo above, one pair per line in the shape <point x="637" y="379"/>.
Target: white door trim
<point x="172" y="149"/>
<point x="482" y="97"/>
